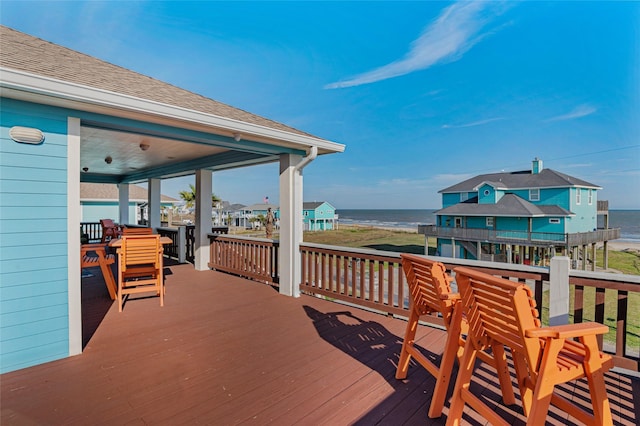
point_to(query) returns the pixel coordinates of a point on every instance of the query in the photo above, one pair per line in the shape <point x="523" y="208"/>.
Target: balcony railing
<point x="520" y="237"/>
<point x="374" y="280"/>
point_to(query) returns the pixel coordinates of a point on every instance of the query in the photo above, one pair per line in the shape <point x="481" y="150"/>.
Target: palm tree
<point x="189" y="197"/>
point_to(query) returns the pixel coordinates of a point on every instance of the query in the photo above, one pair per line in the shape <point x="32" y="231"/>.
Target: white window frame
<point x="578" y="196"/>
<point x="534" y="194"/>
<point x="464" y="196"/>
<point x="489" y="221"/>
<point x="590" y="197"/>
<point x="554" y="220"/>
<point x="457" y="222"/>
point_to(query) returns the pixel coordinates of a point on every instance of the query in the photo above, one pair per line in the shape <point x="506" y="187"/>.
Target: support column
<point x="123" y="204"/>
<point x="593" y="256"/>
<point x="584" y="257"/>
<point x="559" y="290"/>
<point x="154" y="203"/>
<point x="605" y="251"/>
<point x="291" y="231"/>
<point x="74" y="282"/>
<point x="204" y="189"/>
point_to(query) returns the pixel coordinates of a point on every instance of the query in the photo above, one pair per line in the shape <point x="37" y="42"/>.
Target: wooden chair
<point x="430" y="292"/>
<point x="109" y="230"/>
<point x="140" y="266"/>
<point x="502" y="312"/>
<point x="137" y="231"/>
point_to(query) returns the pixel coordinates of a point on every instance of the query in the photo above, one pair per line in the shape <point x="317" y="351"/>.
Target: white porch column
<point x="123" y="203"/>
<point x="74" y="294"/>
<point x="559" y="290"/>
<point x="154" y="203"/>
<point x="204" y="189"/>
<point x="290" y="225"/>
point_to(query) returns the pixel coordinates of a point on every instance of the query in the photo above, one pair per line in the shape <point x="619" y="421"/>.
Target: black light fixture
<point x="108" y="159"/>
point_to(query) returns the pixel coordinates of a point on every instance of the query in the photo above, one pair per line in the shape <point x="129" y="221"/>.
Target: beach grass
<point x="371" y="238"/>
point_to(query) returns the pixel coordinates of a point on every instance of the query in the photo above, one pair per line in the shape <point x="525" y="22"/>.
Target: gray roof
<point x="509" y="205"/>
<point x="312" y="205"/>
<point x="23" y="52"/>
<point x="547" y="178"/>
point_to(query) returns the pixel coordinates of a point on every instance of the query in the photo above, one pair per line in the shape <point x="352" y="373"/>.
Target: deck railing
<point x="255" y="258"/>
<point x="374" y="279"/>
<point x="520" y="237"/>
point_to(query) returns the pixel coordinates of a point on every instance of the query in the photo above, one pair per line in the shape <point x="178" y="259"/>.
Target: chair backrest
<point x="428" y="282"/>
<point x="499" y="310"/>
<point x="139" y="250"/>
<point x="107" y="223"/>
<point x="137" y="231"/>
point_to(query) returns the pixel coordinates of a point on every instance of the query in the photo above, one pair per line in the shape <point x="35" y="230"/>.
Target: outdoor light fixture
<point x="108" y="160"/>
<point x="237" y="137"/>
<point x="144" y="146"/>
<point x="26" y="135"/>
<point x="85" y="169"/>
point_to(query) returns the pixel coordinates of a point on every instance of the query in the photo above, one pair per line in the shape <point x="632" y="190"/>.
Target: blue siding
<point x="93" y="211"/>
<point x="450" y="199"/>
<point x="555" y="197"/>
<point x="585" y="219"/>
<point x="489" y="198"/>
<point x="33" y="214"/>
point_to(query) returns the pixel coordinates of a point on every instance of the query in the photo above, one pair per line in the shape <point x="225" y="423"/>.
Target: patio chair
<point x="140" y="267"/>
<point x="109" y="230"/>
<point x="430" y="292"/>
<point x="503" y="312"/>
<point x="136" y="231"/>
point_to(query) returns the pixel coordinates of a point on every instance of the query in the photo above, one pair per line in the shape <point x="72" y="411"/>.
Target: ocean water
<point x="627" y="220"/>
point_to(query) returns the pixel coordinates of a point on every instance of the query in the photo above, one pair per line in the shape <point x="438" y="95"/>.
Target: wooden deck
<point x="224" y="351"/>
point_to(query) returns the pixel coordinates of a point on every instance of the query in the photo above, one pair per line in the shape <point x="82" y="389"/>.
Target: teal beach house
<point x="521" y="217"/>
<point x="68" y="118"/>
<point x="318" y="216"/>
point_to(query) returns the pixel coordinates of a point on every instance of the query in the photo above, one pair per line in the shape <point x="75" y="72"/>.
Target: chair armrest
<point x="568" y="331"/>
<point x="450" y="296"/>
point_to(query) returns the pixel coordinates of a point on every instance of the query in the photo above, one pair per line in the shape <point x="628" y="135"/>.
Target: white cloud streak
<point x="472" y="124"/>
<point x="578" y="112"/>
<point x="453" y="33"/>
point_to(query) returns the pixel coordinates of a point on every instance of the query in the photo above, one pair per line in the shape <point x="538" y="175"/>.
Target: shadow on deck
<point x="225" y="350"/>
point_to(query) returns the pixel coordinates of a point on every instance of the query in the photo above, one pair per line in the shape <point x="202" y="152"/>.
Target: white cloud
<point x="472" y="124"/>
<point x="453" y="33"/>
<point x="578" y="112"/>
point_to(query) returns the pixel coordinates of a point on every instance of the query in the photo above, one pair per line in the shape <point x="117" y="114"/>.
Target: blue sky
<point x="423" y="94"/>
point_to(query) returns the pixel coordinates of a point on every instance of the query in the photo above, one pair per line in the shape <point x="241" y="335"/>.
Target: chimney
<point x="536" y="167"/>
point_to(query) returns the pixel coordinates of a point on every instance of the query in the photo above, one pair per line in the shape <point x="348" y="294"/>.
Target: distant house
<point x="254" y="211"/>
<point x="520" y="217"/>
<point x="100" y="201"/>
<point x="318" y="216"/>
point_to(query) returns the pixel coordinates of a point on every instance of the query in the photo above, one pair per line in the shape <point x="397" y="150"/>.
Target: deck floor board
<point x="225" y="350"/>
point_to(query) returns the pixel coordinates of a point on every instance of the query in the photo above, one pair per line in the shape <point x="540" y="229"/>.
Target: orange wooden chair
<point x="502" y="312"/>
<point x="109" y="230"/>
<point x="136" y="231"/>
<point x="140" y="267"/>
<point x="430" y="292"/>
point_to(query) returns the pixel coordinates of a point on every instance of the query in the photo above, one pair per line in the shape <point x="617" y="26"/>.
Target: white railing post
<point x="559" y="290"/>
<point x="182" y="244"/>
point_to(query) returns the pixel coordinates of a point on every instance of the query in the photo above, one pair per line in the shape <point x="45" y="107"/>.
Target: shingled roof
<point x="509" y="205"/>
<point x="547" y="178"/>
<point x="23" y="52"/>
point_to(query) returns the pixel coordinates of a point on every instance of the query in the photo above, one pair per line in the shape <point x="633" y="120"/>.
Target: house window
<point x="458" y="222"/>
<point x="554" y="220"/>
<point x="534" y="194"/>
<point x="578" y="196"/>
<point x="490" y="222"/>
<point x="487" y="192"/>
<point x="464" y="196"/>
<point x="590" y="196"/>
<point x="306" y="213"/>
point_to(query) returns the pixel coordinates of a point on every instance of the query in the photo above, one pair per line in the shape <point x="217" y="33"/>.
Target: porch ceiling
<point x="164" y="156"/>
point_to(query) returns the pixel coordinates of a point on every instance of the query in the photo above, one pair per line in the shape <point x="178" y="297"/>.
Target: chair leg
<point x="595" y="378"/>
<point x="462" y="382"/>
<point x="503" y="373"/>
<point x="545" y="382"/>
<point x="446" y="364"/>
<point x="522" y="376"/>
<point x="409" y="337"/>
